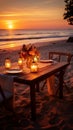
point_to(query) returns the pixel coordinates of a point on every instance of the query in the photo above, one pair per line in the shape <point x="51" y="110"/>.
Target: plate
<point x="14" y="71"/>
<point x="46" y="61"/>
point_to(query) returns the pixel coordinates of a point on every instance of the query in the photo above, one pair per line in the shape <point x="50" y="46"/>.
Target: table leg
<point x="61" y="76"/>
<point x="33" y="102"/>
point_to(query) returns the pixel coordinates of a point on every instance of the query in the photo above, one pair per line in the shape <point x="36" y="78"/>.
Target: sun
<point x="10" y="24"/>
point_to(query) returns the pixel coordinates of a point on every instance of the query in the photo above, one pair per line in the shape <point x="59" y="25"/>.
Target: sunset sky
<point x="32" y="14"/>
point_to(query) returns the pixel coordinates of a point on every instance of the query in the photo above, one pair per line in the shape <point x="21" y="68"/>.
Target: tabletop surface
<point x="43" y="72"/>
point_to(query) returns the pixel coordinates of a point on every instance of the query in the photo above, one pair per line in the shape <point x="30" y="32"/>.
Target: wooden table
<point x="32" y="79"/>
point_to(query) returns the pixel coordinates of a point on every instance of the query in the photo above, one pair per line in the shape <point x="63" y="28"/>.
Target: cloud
<point x="26" y="4"/>
<point x="25" y="9"/>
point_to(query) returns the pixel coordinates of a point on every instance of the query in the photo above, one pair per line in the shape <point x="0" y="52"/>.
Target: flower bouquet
<point x="28" y="52"/>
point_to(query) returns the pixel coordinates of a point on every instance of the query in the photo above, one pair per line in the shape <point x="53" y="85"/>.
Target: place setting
<point x="11" y="69"/>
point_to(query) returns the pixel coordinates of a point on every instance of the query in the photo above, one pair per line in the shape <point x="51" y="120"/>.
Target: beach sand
<point x="52" y="113"/>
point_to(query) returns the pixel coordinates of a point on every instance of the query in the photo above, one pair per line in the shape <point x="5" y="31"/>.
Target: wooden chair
<point x="6" y="91"/>
<point x="5" y="96"/>
<point x="59" y="56"/>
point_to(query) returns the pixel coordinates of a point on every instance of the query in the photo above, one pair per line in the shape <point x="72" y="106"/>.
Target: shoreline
<point x="48" y="43"/>
<point x="37" y="44"/>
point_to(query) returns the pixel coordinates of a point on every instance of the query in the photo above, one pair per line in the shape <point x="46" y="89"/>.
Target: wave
<point x="28" y="38"/>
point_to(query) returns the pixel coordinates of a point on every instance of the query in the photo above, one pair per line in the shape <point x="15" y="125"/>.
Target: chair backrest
<point x="60" y="56"/>
<point x="2" y="95"/>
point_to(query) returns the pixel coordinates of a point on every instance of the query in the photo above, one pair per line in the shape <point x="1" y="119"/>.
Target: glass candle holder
<point x="20" y="62"/>
<point x="35" y="59"/>
<point x="34" y="67"/>
<point x="7" y="63"/>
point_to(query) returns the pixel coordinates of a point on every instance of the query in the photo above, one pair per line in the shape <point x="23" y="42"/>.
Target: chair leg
<point x="37" y="87"/>
<point x="65" y="86"/>
<point x="43" y="85"/>
<point x="57" y="91"/>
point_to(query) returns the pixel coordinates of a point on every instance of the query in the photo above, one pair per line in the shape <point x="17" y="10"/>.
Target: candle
<point x="34" y="67"/>
<point x="20" y="62"/>
<point x="35" y="59"/>
<point x="7" y="63"/>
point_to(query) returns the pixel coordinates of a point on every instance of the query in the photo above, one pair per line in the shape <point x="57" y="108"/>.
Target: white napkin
<point x="6" y="82"/>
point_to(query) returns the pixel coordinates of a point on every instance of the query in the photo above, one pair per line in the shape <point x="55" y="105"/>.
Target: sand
<point x="52" y="113"/>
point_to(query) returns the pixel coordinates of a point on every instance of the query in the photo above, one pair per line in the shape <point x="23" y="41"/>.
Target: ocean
<point x="14" y="38"/>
